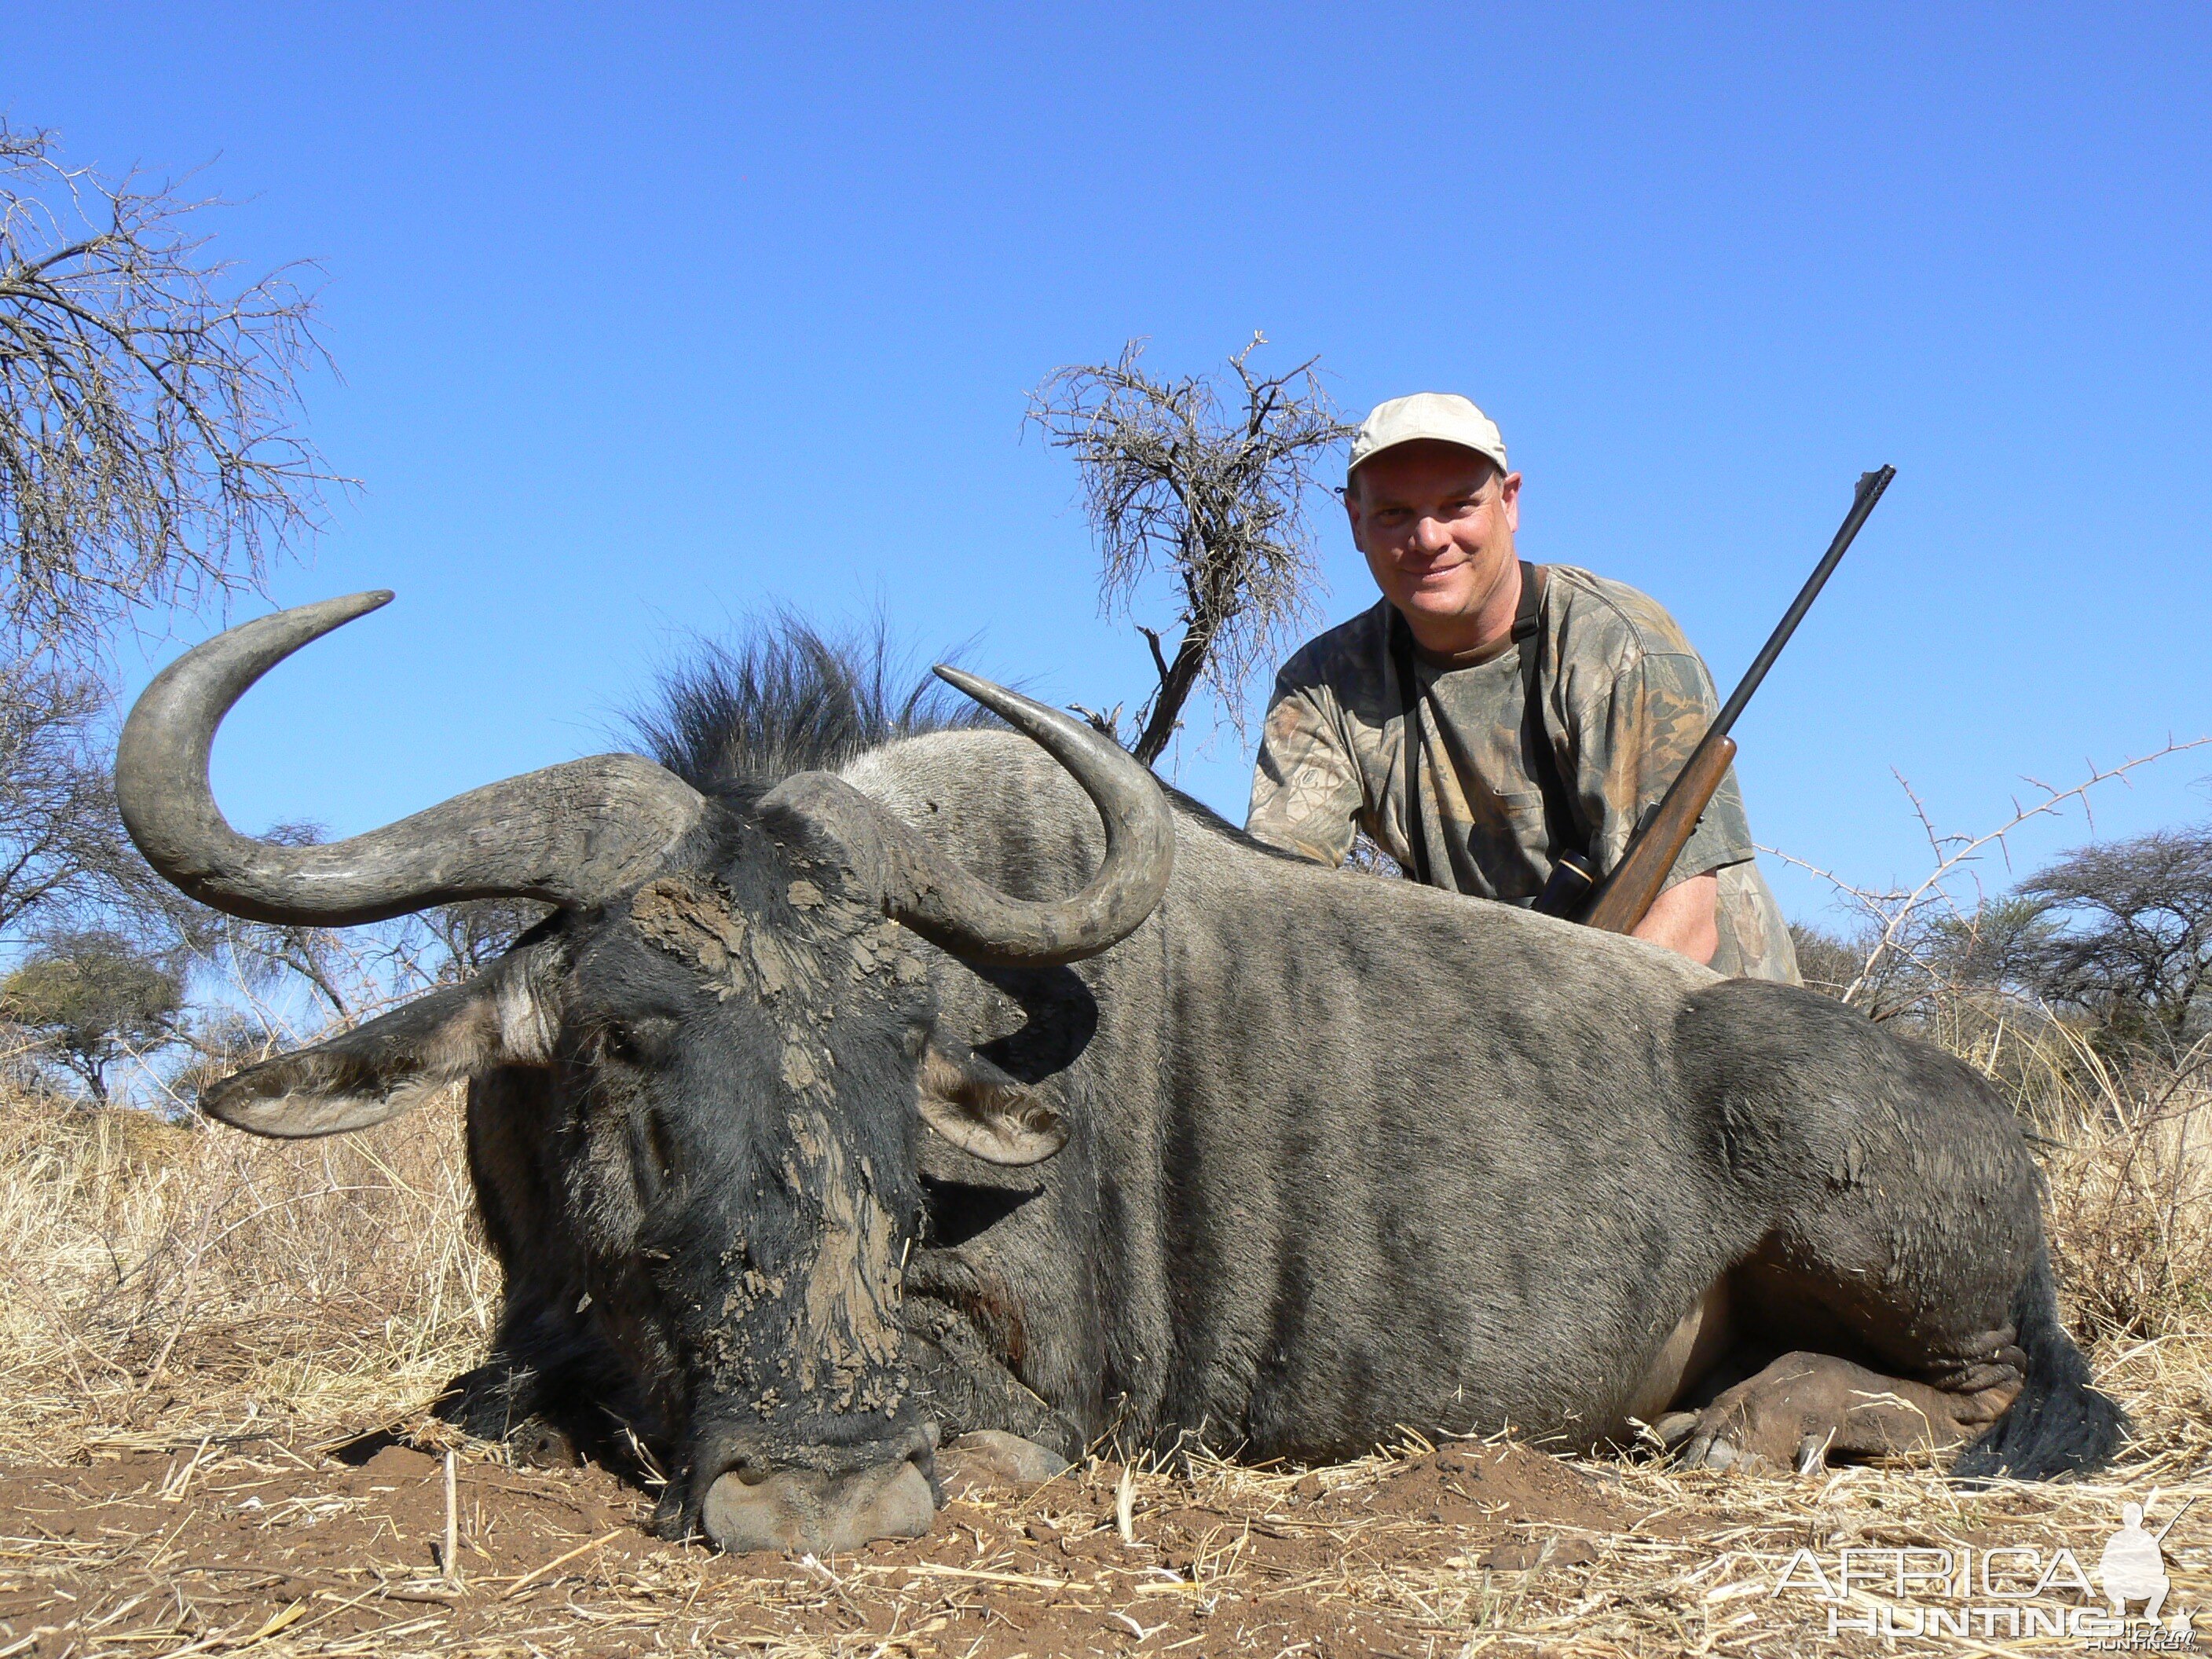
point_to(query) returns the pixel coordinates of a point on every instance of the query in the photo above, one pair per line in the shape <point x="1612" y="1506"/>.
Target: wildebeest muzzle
<point x="834" y="1484"/>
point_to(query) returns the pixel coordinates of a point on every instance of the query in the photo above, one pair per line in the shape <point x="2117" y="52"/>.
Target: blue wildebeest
<point x="833" y="1111"/>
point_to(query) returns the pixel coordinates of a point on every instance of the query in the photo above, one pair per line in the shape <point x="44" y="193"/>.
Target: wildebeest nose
<point x="813" y="1511"/>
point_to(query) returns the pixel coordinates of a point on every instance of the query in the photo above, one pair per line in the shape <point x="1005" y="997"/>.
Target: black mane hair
<point x="739" y="715"/>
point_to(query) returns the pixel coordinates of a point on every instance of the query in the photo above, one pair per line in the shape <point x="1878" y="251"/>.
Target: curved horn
<point x="950" y="908"/>
<point x="568" y="835"/>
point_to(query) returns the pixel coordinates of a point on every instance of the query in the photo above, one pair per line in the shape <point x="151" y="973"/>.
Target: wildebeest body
<point x="1351" y="1155"/>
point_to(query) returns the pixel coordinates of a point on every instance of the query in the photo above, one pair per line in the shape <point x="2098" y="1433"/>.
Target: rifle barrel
<point x="1621" y="901"/>
<point x="2160" y="1535"/>
<point x="1871" y="484"/>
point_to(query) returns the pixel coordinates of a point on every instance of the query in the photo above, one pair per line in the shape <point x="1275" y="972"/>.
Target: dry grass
<point x="169" y="1297"/>
<point x="150" y="1273"/>
<point x="2126" y="1147"/>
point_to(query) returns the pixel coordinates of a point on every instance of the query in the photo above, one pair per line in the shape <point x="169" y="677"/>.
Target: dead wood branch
<point x="1213" y="493"/>
<point x="148" y="454"/>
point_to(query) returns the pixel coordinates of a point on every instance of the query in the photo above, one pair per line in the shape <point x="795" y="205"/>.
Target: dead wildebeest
<point x="1224" y="1144"/>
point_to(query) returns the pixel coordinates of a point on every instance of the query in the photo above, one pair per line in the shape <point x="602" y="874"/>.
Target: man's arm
<point x="1306" y="793"/>
<point x="1641" y="733"/>
<point x="1687" y="918"/>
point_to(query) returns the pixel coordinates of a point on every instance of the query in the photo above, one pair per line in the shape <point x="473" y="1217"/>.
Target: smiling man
<point x="1549" y="708"/>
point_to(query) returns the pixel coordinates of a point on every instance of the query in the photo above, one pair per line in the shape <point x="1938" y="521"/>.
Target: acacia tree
<point x="1945" y="930"/>
<point x="61" y="847"/>
<point x="148" y="455"/>
<point x="2126" y="933"/>
<point x="1178" y="477"/>
<point x="91" y="999"/>
<point x="147" y="458"/>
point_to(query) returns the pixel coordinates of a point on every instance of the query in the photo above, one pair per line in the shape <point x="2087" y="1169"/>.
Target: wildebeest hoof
<point x="535" y="1443"/>
<point x="1700" y="1440"/>
<point x="990" y="1457"/>
<point x="1705" y="1452"/>
<point x="1813" y="1452"/>
<point x="806" y="1511"/>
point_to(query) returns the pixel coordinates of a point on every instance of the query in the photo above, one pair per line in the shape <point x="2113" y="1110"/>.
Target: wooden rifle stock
<point x="1626" y="895"/>
<point x="1629" y="891"/>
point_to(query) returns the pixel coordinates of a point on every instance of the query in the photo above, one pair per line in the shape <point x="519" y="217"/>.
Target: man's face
<point x="1437" y="524"/>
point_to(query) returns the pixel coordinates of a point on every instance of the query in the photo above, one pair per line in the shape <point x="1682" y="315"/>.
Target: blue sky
<point x="651" y="316"/>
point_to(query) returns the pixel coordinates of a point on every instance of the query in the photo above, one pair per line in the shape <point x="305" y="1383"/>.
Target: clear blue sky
<point x="650" y="315"/>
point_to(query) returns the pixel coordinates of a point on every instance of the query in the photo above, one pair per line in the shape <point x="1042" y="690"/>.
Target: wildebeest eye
<point x="636" y="1043"/>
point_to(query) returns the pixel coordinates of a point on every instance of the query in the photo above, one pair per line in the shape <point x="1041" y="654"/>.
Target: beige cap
<point x="1444" y="416"/>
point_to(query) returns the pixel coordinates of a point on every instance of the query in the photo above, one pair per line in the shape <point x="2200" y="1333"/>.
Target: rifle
<point x="1621" y="901"/>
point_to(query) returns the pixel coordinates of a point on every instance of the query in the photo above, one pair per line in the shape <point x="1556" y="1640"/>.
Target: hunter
<point x="1553" y="707"/>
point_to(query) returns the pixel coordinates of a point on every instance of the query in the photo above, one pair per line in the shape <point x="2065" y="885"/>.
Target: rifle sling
<point x="1560" y="832"/>
<point x="1409" y="736"/>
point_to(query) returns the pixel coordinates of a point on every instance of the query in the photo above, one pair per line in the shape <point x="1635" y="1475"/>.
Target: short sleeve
<point x="1306" y="793"/>
<point x="1632" y="743"/>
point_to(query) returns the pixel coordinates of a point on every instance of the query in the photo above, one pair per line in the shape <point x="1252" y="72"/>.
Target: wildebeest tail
<point x="2059" y="1424"/>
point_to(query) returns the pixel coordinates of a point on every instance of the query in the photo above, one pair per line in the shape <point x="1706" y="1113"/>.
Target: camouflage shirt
<point x="1625" y="700"/>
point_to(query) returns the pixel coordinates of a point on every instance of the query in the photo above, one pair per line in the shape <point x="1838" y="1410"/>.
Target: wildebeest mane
<point x="737" y="716"/>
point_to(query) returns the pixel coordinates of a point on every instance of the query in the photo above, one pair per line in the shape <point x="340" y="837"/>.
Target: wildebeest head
<point x="727" y="1031"/>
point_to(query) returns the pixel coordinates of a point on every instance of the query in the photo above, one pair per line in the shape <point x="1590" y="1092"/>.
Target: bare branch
<point x="1896" y="919"/>
<point x="147" y="451"/>
<point x="1175" y="483"/>
<point x="62" y="854"/>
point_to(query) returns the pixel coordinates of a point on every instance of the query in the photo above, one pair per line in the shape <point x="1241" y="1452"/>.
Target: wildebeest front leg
<point x="498" y="1402"/>
<point x="1808" y="1407"/>
<point x="550" y="1388"/>
<point x="550" y="1391"/>
<point x="1879" y="1308"/>
<point x="965" y="1388"/>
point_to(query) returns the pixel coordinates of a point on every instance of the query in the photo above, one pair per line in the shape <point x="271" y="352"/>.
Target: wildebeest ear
<point x="983" y="1111"/>
<point x="394" y="1063"/>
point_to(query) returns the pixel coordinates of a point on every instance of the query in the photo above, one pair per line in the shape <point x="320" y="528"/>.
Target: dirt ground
<point x="240" y="1542"/>
<point x="224" y="1546"/>
<point x="197" y="1329"/>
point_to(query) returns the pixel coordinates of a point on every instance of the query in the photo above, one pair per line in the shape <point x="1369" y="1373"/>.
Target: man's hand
<point x="1685" y="918"/>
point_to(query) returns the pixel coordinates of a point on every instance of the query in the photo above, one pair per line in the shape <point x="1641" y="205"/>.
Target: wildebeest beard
<point x="732" y="1094"/>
